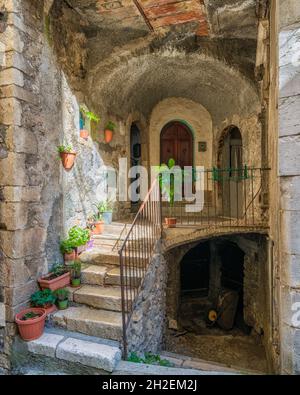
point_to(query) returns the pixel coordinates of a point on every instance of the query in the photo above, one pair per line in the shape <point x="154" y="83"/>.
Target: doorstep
<point x="79" y="349"/>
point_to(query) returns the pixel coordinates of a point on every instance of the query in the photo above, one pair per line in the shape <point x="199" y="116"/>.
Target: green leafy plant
<point x="62" y="294"/>
<point x="58" y="270"/>
<point x="167" y="184"/>
<point x="64" y="148"/>
<point x="78" y="236"/>
<point x="42" y="298"/>
<point x="66" y="246"/>
<point x="149" y="359"/>
<point x="89" y="115"/>
<point x="110" y="126"/>
<point x="104" y="206"/>
<point x="29" y="316"/>
<point x="76" y="269"/>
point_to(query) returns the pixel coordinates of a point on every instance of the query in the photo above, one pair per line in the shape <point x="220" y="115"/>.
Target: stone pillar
<point x="214" y="272"/>
<point x="289" y="172"/>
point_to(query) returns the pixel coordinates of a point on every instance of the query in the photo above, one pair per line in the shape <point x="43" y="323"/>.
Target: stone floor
<point x="195" y="339"/>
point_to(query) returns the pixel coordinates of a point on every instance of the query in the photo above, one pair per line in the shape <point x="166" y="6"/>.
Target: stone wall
<point x="146" y="331"/>
<point x="289" y="172"/>
<point x="38" y="111"/>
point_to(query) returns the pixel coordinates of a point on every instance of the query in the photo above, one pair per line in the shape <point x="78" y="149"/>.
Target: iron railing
<point x="136" y="252"/>
<point x="231" y="198"/>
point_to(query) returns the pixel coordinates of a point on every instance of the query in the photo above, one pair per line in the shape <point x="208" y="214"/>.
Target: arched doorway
<point x="176" y="141"/>
<point x="231" y="163"/>
<point x="135" y="157"/>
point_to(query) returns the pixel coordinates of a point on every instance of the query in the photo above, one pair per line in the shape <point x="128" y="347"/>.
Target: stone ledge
<point x="45" y="345"/>
<point x="90" y="354"/>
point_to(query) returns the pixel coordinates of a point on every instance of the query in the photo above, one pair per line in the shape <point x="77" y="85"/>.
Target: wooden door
<point x="177" y="143"/>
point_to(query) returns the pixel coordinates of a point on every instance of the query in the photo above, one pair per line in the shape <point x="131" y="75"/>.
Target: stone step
<point x="94" y="275"/>
<point x="106" y="298"/>
<point x="105" y="256"/>
<point x="134" y="277"/>
<point x="92" y="322"/>
<point x="66" y="348"/>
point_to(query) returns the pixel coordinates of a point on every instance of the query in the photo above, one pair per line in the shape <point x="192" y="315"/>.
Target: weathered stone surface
<point x="90" y="354"/>
<point x="2" y="315"/>
<point x="11" y="76"/>
<point x="288" y="150"/>
<point x="45" y="345"/>
<point x="13" y="215"/>
<point x="24" y="242"/>
<point x="148" y="323"/>
<point x="12" y="170"/>
<point x="102" y="323"/>
<point x="290" y="189"/>
<point x="108" y="298"/>
<point x="94" y="275"/>
<point x="289" y="123"/>
<point x="291" y="270"/>
<point x="24" y="194"/>
<point x="290" y="224"/>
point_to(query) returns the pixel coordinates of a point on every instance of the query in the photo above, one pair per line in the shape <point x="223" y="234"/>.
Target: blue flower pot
<point x="107" y="217"/>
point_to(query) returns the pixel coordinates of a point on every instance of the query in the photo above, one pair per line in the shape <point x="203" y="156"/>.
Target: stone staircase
<point x="96" y="306"/>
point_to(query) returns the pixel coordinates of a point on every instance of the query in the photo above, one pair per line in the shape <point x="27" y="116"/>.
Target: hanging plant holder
<point x="68" y="159"/>
<point x="108" y="135"/>
<point x="109" y="132"/>
<point x="84" y="134"/>
<point x="67" y="156"/>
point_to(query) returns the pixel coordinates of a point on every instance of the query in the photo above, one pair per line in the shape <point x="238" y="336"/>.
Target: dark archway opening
<point x="225" y="276"/>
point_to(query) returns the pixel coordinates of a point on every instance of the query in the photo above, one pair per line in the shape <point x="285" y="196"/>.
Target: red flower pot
<point x="171" y="222"/>
<point x="84" y="134"/>
<point x="50" y="309"/>
<point x="68" y="159"/>
<point x="70" y="257"/>
<point x="55" y="283"/>
<point x="33" y="328"/>
<point x="108" y="135"/>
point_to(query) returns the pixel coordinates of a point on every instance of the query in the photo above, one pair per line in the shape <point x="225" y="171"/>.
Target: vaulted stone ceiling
<point x="232" y="18"/>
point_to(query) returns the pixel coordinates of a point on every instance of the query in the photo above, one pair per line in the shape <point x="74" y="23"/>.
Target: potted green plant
<point x="67" y="156"/>
<point x="31" y="323"/>
<point x="78" y="238"/>
<point x="109" y="131"/>
<point x="84" y="133"/>
<point x="58" y="277"/>
<point x="68" y="250"/>
<point x="44" y="299"/>
<point x="167" y="185"/>
<point x="62" y="297"/>
<point x="106" y="209"/>
<point x="76" y="274"/>
<point x="98" y="223"/>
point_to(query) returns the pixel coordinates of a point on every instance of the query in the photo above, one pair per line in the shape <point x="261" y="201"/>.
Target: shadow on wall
<point x="86" y="183"/>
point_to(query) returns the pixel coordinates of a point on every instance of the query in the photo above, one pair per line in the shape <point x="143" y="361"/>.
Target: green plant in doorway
<point x="62" y="296"/>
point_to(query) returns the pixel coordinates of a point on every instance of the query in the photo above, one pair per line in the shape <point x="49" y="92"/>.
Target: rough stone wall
<point x="146" y="331"/>
<point x="289" y="172"/>
<point x="29" y="232"/>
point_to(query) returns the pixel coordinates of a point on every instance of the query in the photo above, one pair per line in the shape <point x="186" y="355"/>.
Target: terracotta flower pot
<point x="108" y="135"/>
<point x="31" y="329"/>
<point x="99" y="227"/>
<point x="84" y="134"/>
<point x="56" y="283"/>
<point x="70" y="257"/>
<point x="171" y="222"/>
<point x="68" y="159"/>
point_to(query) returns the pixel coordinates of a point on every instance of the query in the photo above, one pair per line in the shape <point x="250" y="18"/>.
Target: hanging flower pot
<point x="109" y="132"/>
<point x="31" y="323"/>
<point x="67" y="156"/>
<point x="108" y="135"/>
<point x="84" y="134"/>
